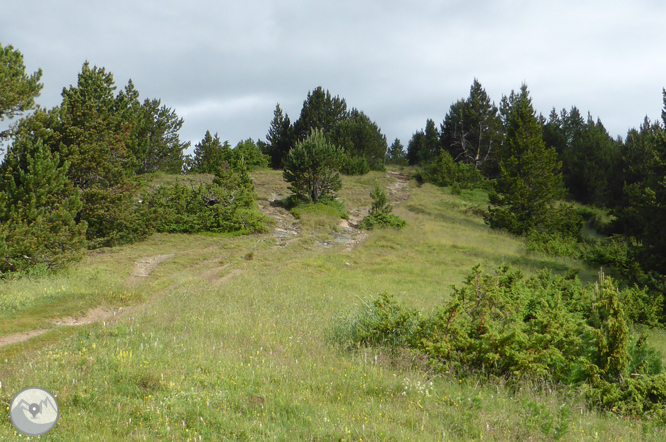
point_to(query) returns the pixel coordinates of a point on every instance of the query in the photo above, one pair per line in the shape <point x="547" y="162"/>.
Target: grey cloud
<point x="224" y="65"/>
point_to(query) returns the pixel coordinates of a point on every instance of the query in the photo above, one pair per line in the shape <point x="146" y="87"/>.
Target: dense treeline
<point x="75" y="176"/>
<point x="364" y="146"/>
<point x="536" y="167"/>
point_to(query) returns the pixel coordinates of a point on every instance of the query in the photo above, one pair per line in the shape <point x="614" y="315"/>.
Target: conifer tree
<point x="18" y="90"/>
<point x="38" y="209"/>
<point x="156" y="145"/>
<point x="424" y="145"/>
<point x="320" y="111"/>
<point x="92" y="131"/>
<point x="396" y="154"/>
<point x="209" y="154"/>
<point x="361" y="139"/>
<point x="472" y="130"/>
<point x="530" y="179"/>
<point x="430" y="148"/>
<point x="280" y="137"/>
<point x="415" y="146"/>
<point x="311" y="168"/>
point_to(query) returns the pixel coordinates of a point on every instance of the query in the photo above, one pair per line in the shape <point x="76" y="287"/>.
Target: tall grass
<point x="228" y="348"/>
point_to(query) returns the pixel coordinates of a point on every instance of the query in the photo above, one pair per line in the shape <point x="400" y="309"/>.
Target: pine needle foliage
<point x="311" y="168"/>
<point x="530" y="178"/>
<point x="38" y="208"/>
<point x="380" y="212"/>
<point x="547" y="327"/>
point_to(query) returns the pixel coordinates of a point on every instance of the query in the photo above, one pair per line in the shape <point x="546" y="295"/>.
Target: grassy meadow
<point x="229" y="338"/>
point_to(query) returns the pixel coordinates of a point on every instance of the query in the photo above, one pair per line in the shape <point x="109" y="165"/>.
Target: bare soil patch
<point x="286" y="226"/>
<point x="96" y="314"/>
<point x="144" y="267"/>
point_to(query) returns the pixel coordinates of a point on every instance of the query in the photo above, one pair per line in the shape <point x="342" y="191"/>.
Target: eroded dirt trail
<point x="142" y="269"/>
<point x="286" y="230"/>
<point x="97" y="314"/>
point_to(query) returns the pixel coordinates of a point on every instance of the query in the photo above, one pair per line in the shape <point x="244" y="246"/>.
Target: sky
<point x="224" y="65"/>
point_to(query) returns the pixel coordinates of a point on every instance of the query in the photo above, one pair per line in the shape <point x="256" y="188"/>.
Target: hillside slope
<point x="227" y="337"/>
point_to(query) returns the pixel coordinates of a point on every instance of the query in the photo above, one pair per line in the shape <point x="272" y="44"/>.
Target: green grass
<point x="229" y="348"/>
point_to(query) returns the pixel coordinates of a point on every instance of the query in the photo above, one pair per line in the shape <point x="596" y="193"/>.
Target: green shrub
<point x="619" y="253"/>
<point x="353" y="165"/>
<point x="380" y="212"/>
<point x="250" y="153"/>
<point x="641" y="306"/>
<point x="553" y="243"/>
<point x="445" y="172"/>
<point x="549" y="327"/>
<point x="382" y="220"/>
<point x="179" y="208"/>
<point x="115" y="216"/>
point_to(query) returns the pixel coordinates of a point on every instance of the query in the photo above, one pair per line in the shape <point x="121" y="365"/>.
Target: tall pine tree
<point x="472" y="130"/>
<point x="17" y="89"/>
<point x="280" y="137"/>
<point x="38" y="207"/>
<point x="320" y="111"/>
<point x="530" y="178"/>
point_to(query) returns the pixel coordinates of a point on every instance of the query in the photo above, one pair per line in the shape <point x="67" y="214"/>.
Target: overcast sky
<point x="223" y="65"/>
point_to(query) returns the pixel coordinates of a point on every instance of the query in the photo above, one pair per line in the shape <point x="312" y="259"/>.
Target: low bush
<point x="380" y="212"/>
<point x="353" y="165"/>
<point x="226" y="205"/>
<point x="546" y="327"/>
<point x="179" y="208"/>
<point x="445" y="172"/>
<point x="383" y="322"/>
<point x="553" y="243"/>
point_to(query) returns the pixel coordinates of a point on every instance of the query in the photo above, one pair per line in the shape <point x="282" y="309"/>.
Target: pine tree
<point x="210" y="154"/>
<point x="472" y="130"/>
<point x="17" y="89"/>
<point x="320" y="111"/>
<point x="415" y="146"/>
<point x="641" y="207"/>
<point x="156" y="145"/>
<point x="311" y="168"/>
<point x="361" y="139"/>
<point x="38" y="209"/>
<point x="530" y="179"/>
<point x="396" y="154"/>
<point x="280" y="137"/>
<point x="93" y="132"/>
<point x="589" y="155"/>
<point x="430" y="147"/>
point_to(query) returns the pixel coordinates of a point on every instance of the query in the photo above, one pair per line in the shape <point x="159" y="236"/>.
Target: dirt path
<point x="286" y="228"/>
<point x="144" y="267"/>
<point x="397" y="191"/>
<point x="97" y="314"/>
